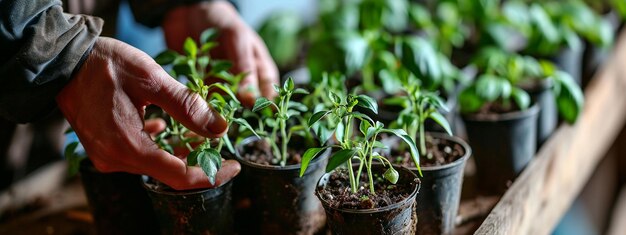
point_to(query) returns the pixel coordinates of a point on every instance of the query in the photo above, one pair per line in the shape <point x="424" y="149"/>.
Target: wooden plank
<point x="545" y="190"/>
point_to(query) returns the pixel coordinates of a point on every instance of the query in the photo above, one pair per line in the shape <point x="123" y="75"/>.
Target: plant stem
<point x="422" y="137"/>
<point x="220" y="144"/>
<point x="370" y="156"/>
<point x="283" y="128"/>
<point x="283" y="132"/>
<point x="346" y="141"/>
<point x="351" y="174"/>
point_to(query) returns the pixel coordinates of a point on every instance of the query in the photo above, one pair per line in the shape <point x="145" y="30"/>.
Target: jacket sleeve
<point x="41" y="47"/>
<point x="151" y="12"/>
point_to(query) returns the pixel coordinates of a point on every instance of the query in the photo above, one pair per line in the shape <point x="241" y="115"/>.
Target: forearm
<point x="41" y="48"/>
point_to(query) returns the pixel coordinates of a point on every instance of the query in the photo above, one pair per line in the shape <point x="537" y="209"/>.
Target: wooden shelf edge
<point x="544" y="191"/>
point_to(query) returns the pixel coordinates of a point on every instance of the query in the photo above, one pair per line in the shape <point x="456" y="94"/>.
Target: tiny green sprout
<point x="359" y="145"/>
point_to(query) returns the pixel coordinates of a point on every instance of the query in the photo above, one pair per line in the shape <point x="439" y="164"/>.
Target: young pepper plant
<point x="418" y="107"/>
<point x="196" y="65"/>
<point x="285" y="109"/>
<point x="359" y="146"/>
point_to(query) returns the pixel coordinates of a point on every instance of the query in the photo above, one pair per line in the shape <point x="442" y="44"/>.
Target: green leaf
<point x="297" y="106"/>
<point x="543" y="22"/>
<point x="210" y="162"/>
<point x="190" y="48"/>
<point x="362" y="117"/>
<point x="288" y="85"/>
<point x="339" y="158"/>
<point x="409" y="141"/>
<point x="308" y="156"/>
<point x="317" y="116"/>
<point x="521" y="98"/>
<point x="229" y="144"/>
<point x="208" y="46"/>
<point x="488" y="87"/>
<point x="334" y="97"/>
<point x="420" y="57"/>
<point x="242" y="122"/>
<point x="225" y="90"/>
<point x="364" y="126"/>
<point x="441" y="120"/>
<point x="300" y="91"/>
<point x="339" y="131"/>
<point x="166" y="57"/>
<point x="391" y="175"/>
<point x="570" y="99"/>
<point x="72" y="158"/>
<point x="192" y="157"/>
<point x="368" y="103"/>
<point x="207" y="35"/>
<point x="203" y="61"/>
<point x="260" y="104"/>
<point x="220" y="65"/>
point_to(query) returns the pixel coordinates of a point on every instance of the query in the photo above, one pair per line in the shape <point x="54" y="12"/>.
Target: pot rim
<point x="251" y="139"/>
<point x="532" y="110"/>
<point x="461" y="160"/>
<point x="144" y="183"/>
<point x="411" y="198"/>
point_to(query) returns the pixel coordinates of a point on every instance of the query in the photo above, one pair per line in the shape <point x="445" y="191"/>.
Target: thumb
<point x="187" y="107"/>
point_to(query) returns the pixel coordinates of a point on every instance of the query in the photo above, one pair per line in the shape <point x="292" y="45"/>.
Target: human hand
<point x="105" y="104"/>
<point x="237" y="43"/>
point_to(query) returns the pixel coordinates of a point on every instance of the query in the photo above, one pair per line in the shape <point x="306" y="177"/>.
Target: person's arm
<point x="41" y="47"/>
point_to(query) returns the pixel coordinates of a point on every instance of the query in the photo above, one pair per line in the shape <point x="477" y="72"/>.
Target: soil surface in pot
<point x="491" y="111"/>
<point x="438" y="152"/>
<point x="337" y="191"/>
<point x="260" y="152"/>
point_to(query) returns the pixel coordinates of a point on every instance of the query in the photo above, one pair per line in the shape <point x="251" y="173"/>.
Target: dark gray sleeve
<point x="40" y="47"/>
<point x="151" y="12"/>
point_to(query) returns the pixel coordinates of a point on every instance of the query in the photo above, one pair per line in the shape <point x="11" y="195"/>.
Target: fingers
<point x="241" y="52"/>
<point x="187" y="107"/>
<point x="176" y="174"/>
<point x="266" y="70"/>
<point x="154" y="126"/>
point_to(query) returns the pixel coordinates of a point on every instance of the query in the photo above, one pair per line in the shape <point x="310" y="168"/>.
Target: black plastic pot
<point x="502" y="146"/>
<point x="570" y="61"/>
<point x="398" y="218"/>
<point x="547" y="120"/>
<point x="118" y="202"/>
<point x="282" y="202"/>
<point x="440" y="195"/>
<point x="204" y="211"/>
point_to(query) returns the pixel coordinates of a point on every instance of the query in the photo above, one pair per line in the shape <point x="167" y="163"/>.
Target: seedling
<point x="285" y="109"/>
<point x="518" y="69"/>
<point x="359" y="146"/>
<point x="193" y="66"/>
<point x="419" y="106"/>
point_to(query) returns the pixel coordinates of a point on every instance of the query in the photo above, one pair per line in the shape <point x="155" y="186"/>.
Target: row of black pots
<point x="284" y="202"/>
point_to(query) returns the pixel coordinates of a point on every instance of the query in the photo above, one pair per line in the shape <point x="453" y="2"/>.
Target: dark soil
<point x="337" y="192"/>
<point x="494" y="109"/>
<point x="260" y="152"/>
<point x="438" y="152"/>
